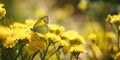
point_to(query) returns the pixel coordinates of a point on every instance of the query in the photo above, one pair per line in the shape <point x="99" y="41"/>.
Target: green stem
<point x="53" y="53"/>
<point x="118" y="33"/>
<point x="22" y="56"/>
<point x="58" y="55"/>
<point x="71" y="57"/>
<point x="20" y="50"/>
<point x="76" y="57"/>
<point x="45" y="52"/>
<point x="34" y="54"/>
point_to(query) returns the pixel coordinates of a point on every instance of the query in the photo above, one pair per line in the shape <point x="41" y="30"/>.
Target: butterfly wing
<point x="41" y="25"/>
<point x="41" y="21"/>
<point x="41" y="29"/>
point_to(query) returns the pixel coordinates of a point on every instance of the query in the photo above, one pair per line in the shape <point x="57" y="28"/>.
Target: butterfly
<point x="41" y="25"/>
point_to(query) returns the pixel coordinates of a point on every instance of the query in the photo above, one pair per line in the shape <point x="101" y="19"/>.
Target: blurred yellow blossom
<point x="115" y="48"/>
<point x="96" y="51"/>
<point x="2" y="10"/>
<point x="57" y="29"/>
<point x="111" y="36"/>
<point x="112" y="47"/>
<point x="40" y="13"/>
<point x="72" y="36"/>
<point x="92" y="37"/>
<point x="29" y="22"/>
<point x="77" y="48"/>
<point x="82" y="5"/>
<point x="117" y="56"/>
<point x="1" y="5"/>
<point x="10" y="42"/>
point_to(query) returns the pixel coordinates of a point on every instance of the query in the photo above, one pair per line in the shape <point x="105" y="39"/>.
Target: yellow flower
<point x="73" y="37"/>
<point x="20" y="31"/>
<point x="63" y="43"/>
<point x="1" y="5"/>
<point x="92" y="37"/>
<point x="18" y="25"/>
<point x="112" y="47"/>
<point x="70" y="35"/>
<point x="111" y="37"/>
<point x="29" y="22"/>
<point x="37" y="42"/>
<point x="2" y="11"/>
<point x="37" y="36"/>
<point x="53" y="37"/>
<point x="96" y="50"/>
<point x="77" y="48"/>
<point x="54" y="28"/>
<point x="10" y="42"/>
<point x="115" y="48"/>
<point x="4" y="32"/>
<point x="115" y="19"/>
<point x="82" y="5"/>
<point x="117" y="56"/>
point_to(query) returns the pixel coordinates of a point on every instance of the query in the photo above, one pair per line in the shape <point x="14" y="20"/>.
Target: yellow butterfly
<point x="41" y="25"/>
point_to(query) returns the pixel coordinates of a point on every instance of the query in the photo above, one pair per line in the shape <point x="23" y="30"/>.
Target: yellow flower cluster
<point x="68" y="39"/>
<point x="10" y="42"/>
<point x="115" y="19"/>
<point x="57" y="29"/>
<point x="54" y="32"/>
<point x="20" y="31"/>
<point x="2" y="10"/>
<point x="75" y="41"/>
<point x="17" y="31"/>
<point x="56" y="37"/>
<point x="73" y="37"/>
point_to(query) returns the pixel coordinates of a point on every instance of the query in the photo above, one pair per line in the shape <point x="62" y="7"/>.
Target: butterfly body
<point x="41" y="25"/>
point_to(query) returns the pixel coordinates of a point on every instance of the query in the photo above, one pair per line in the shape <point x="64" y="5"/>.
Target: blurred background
<point x="73" y="14"/>
<point x="84" y="16"/>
